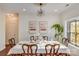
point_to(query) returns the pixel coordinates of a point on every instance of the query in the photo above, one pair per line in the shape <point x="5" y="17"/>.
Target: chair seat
<point x="62" y="54"/>
<point x="19" y="54"/>
<point x="25" y="54"/>
<point x="15" y="55"/>
<point x="40" y="54"/>
<point x="37" y="54"/>
<point x="11" y="45"/>
<point x="58" y="54"/>
<point x="48" y="54"/>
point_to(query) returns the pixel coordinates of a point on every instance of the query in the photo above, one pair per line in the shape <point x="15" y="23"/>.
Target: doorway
<point x="12" y="20"/>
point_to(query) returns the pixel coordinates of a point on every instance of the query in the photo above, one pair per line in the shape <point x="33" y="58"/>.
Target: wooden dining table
<point x="17" y="49"/>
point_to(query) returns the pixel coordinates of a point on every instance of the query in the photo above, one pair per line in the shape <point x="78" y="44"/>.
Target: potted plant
<point x="58" y="31"/>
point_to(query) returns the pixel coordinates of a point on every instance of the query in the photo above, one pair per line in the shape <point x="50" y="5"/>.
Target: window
<point x="73" y="32"/>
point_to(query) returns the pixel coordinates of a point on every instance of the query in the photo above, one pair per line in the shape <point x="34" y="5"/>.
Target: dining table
<point x="17" y="49"/>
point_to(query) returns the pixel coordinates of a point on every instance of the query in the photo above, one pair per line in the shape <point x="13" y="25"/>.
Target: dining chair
<point x="11" y="42"/>
<point x="48" y="49"/>
<point x="36" y="38"/>
<point x="56" y="48"/>
<point x="63" y="54"/>
<point x="25" y="48"/>
<point x="33" y="49"/>
<point x="32" y="38"/>
<point x="45" y="38"/>
<point x="15" y="54"/>
<point x="65" y="41"/>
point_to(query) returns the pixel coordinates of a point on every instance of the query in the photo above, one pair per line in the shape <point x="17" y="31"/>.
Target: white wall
<point x="2" y="31"/>
<point x="23" y="24"/>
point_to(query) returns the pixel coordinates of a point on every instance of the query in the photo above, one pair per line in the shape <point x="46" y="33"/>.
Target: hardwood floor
<point x="5" y="51"/>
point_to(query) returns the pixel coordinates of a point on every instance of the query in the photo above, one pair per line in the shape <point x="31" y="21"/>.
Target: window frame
<point x="75" y="33"/>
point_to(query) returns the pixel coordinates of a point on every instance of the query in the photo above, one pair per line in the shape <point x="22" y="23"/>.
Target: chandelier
<point x="40" y="12"/>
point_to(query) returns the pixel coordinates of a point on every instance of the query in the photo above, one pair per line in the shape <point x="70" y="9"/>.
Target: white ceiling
<point x="31" y="8"/>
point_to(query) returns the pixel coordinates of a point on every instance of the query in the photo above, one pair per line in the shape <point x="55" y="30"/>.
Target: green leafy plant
<point x="58" y="30"/>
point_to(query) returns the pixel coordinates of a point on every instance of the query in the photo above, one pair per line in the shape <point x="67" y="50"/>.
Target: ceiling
<point x="31" y="8"/>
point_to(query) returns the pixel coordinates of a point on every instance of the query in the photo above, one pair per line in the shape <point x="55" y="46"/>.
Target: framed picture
<point x="43" y="25"/>
<point x="32" y="26"/>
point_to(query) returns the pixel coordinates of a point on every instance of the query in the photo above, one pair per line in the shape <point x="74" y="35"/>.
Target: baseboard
<point x="73" y="46"/>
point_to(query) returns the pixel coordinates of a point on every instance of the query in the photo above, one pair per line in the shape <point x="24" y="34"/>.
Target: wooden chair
<point x="25" y="48"/>
<point x="32" y="38"/>
<point x="36" y="38"/>
<point x="15" y="55"/>
<point x="33" y="49"/>
<point x="45" y="38"/>
<point x="63" y="54"/>
<point x="11" y="42"/>
<point x="65" y="41"/>
<point x="48" y="49"/>
<point x="56" y="48"/>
